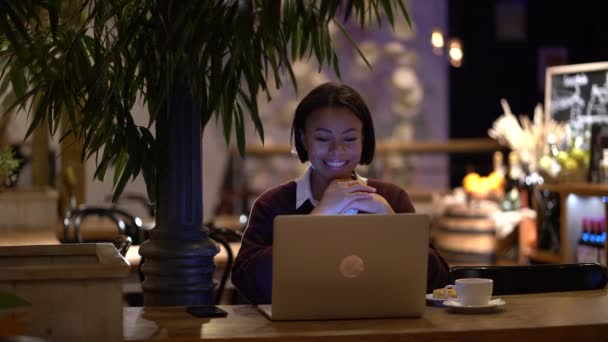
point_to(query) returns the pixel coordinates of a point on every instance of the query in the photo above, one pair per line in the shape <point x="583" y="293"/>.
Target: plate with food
<point x="440" y="295"/>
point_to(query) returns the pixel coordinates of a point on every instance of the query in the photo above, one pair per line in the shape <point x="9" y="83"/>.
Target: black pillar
<point x="178" y="266"/>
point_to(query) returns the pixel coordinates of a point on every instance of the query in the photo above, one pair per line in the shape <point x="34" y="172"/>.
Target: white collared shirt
<point x="304" y="190"/>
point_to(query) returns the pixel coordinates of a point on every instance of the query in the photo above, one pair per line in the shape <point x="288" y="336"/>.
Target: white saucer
<point x="434" y="301"/>
<point x="491" y="306"/>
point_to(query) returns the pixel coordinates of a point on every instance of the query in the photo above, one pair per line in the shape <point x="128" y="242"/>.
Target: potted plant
<point x="8" y="164"/>
<point x="187" y="61"/>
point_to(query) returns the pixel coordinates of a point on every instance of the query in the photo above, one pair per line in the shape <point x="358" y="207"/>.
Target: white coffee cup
<point x="473" y="291"/>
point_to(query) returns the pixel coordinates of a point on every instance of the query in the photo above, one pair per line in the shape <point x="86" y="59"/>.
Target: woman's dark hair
<point x="339" y="96"/>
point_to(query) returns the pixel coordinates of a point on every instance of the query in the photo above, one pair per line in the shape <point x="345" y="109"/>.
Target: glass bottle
<point x="498" y="164"/>
<point x="603" y="167"/>
<point x="512" y="200"/>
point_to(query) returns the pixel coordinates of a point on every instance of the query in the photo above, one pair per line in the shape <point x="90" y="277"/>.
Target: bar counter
<point x="575" y="316"/>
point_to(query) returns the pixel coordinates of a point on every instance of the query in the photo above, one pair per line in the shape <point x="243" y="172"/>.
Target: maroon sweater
<point x="252" y="270"/>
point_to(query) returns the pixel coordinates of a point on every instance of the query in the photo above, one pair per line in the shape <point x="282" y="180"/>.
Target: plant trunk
<point x="178" y="257"/>
<point x="40" y="158"/>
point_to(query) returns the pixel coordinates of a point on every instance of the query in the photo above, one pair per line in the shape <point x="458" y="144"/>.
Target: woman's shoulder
<point x="383" y="186"/>
<point x="396" y="196"/>
<point x="280" y="194"/>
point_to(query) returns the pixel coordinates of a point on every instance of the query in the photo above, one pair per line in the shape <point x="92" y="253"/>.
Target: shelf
<point x="543" y="256"/>
<point x="472" y="145"/>
<point x="585" y="189"/>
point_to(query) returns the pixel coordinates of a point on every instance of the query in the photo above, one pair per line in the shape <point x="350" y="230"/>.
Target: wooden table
<point x="575" y="316"/>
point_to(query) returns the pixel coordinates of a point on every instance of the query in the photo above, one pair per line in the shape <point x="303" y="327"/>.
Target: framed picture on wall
<point x="577" y="93"/>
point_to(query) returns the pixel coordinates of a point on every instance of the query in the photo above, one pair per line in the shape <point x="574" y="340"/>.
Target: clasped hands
<point x="342" y="195"/>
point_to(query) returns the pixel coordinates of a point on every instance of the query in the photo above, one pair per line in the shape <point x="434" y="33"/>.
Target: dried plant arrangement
<point x="528" y="138"/>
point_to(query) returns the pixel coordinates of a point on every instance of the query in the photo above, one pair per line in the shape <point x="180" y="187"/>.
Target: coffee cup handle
<point x="445" y="291"/>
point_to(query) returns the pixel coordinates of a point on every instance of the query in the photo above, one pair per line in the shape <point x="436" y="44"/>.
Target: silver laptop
<point x="346" y="267"/>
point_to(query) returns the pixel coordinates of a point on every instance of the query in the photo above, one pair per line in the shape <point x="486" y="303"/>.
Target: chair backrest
<point x="128" y="228"/>
<point x="224" y="236"/>
<point x="537" y="278"/>
<point x="136" y="198"/>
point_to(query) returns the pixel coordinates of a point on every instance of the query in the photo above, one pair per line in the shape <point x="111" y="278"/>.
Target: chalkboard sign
<point x="577" y="93"/>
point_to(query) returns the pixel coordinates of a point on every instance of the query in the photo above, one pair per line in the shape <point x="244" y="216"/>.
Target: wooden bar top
<point x="49" y="237"/>
<point x="464" y="145"/>
<point x="548" y="317"/>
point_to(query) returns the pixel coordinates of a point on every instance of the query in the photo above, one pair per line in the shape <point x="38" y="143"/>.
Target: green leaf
<point x="336" y="65"/>
<point x="38" y="116"/>
<point x="102" y="167"/>
<point x="352" y="42"/>
<point x="240" y="130"/>
<point x="17" y="75"/>
<point x="378" y="15"/>
<point x="149" y="177"/>
<point x="53" y="12"/>
<point x="304" y="43"/>
<point x="251" y="100"/>
<point x="404" y="12"/>
<point x="120" y="165"/>
<point x="146" y="135"/>
<point x="388" y="9"/>
<point x="295" y="42"/>
<point x="226" y="123"/>
<point x="316" y="45"/>
<point x="17" y="21"/>
<point x="133" y="146"/>
<point x="120" y="187"/>
<point x="9" y="301"/>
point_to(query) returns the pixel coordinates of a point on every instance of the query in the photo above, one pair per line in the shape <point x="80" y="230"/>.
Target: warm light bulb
<point x="437" y="41"/>
<point x="455" y="52"/>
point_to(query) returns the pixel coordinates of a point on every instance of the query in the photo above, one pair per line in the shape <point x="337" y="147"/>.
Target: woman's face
<point x="333" y="138"/>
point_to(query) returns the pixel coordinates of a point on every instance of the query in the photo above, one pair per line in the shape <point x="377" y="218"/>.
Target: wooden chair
<point x="127" y="227"/>
<point x="224" y="236"/>
<point x="537" y="278"/>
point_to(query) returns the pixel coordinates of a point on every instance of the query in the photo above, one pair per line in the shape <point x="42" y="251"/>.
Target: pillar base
<point x="178" y="271"/>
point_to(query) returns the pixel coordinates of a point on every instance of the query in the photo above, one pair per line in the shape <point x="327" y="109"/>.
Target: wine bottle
<point x="498" y="165"/>
<point x="512" y="199"/>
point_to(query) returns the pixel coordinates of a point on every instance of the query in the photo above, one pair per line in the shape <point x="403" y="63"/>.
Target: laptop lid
<point x="349" y="266"/>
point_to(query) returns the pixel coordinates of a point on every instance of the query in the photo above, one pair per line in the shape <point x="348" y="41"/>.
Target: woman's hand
<point x="341" y="194"/>
<point x="375" y="204"/>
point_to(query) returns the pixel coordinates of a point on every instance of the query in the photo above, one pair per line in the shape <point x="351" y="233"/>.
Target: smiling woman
<point x="333" y="131"/>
